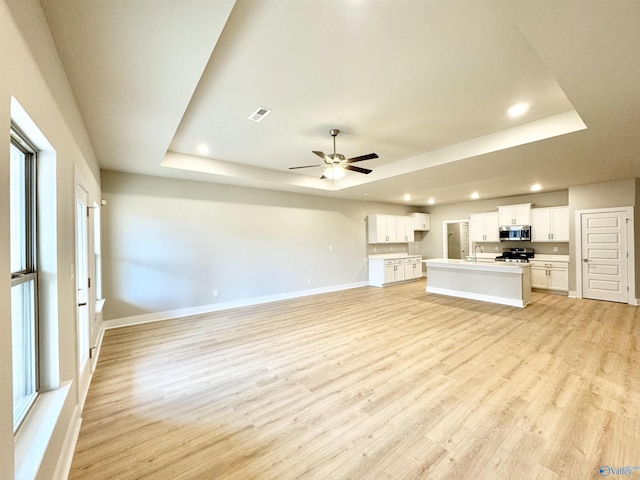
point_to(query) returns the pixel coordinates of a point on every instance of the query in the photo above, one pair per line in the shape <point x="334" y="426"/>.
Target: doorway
<point x="455" y="240"/>
<point x="605" y="256"/>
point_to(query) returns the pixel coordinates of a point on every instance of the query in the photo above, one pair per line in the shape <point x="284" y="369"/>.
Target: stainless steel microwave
<point x="518" y="233"/>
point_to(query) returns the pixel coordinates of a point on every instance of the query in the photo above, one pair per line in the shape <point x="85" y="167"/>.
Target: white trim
<point x="68" y="448"/>
<point x="185" y="312"/>
<point x="73" y="432"/>
<point x="631" y="275"/>
<point x="445" y="235"/>
<point x="512" y="302"/>
<point x="34" y="437"/>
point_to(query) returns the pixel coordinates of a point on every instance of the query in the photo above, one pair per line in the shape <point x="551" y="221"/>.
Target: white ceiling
<point x="424" y="84"/>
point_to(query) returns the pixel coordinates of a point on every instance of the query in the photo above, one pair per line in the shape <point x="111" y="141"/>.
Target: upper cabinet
<point x="421" y="221"/>
<point x="390" y="229"/>
<point x="515" y="214"/>
<point x="483" y="227"/>
<point x="550" y="224"/>
<point x="404" y="230"/>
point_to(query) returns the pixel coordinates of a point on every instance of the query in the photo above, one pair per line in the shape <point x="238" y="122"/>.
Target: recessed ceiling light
<point x="475" y="196"/>
<point x="431" y="201"/>
<point x="407" y="197"/>
<point x="203" y="149"/>
<point x="518" y="109"/>
<point x="536" y="187"/>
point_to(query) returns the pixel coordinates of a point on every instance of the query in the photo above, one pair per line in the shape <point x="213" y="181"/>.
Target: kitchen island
<point x="503" y="283"/>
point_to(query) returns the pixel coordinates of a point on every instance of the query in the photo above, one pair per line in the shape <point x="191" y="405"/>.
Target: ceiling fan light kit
<point x="335" y="163"/>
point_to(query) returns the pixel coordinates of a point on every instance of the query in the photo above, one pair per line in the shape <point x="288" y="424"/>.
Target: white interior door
<point x="604" y="256"/>
<point x="82" y="286"/>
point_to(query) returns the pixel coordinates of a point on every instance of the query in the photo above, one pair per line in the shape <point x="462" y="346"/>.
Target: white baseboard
<point x="632" y="301"/>
<point x="185" y="312"/>
<point x="511" y="302"/>
<point x="68" y="449"/>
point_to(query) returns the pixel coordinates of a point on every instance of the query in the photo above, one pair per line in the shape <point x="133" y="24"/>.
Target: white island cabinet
<point x="503" y="283"/>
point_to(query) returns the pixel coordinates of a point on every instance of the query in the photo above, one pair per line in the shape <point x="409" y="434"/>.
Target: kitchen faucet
<point x="475" y="252"/>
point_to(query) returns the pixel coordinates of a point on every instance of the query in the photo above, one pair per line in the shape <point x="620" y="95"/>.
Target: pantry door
<point x="605" y="255"/>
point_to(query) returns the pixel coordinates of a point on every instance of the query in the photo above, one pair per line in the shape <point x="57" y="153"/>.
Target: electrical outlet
<point x="496" y="249"/>
<point x="215" y="292"/>
<point x="330" y="248"/>
<point x="308" y="281"/>
<point x="555" y="249"/>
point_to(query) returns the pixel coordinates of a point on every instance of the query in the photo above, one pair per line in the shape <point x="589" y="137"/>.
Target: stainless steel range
<point x="515" y="255"/>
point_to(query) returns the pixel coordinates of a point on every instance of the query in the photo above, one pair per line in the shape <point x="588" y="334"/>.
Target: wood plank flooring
<point x="369" y="383"/>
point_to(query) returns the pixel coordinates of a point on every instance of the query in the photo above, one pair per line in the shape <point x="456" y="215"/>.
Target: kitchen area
<point x="497" y="256"/>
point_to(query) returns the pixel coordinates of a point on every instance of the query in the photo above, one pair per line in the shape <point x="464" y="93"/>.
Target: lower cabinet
<point x="553" y="276"/>
<point x="384" y="271"/>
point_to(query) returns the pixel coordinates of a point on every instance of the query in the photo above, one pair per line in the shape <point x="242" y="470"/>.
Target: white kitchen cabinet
<point x="384" y="271"/>
<point x="382" y="228"/>
<point x="515" y="214"/>
<point x="390" y="229"/>
<point x="421" y="221"/>
<point x="404" y="229"/>
<point x="391" y="273"/>
<point x="550" y="224"/>
<point x="412" y="268"/>
<point x="483" y="227"/>
<point x="553" y="276"/>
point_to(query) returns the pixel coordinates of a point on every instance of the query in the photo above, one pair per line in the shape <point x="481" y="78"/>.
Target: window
<point x="24" y="275"/>
<point x="97" y="248"/>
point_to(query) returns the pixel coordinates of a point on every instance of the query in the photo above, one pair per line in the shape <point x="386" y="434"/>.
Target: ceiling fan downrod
<point x="334" y="133"/>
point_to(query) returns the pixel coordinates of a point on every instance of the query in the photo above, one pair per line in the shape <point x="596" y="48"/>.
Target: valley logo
<point x="606" y="470"/>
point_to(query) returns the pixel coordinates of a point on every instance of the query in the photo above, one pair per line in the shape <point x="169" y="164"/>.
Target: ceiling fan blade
<point x="306" y="166"/>
<point x="357" y="169"/>
<point x="323" y="156"/>
<point x="368" y="156"/>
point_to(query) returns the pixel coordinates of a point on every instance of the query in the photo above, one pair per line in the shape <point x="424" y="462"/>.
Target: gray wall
<point x="623" y="193"/>
<point x="431" y="246"/>
<point x="168" y="244"/>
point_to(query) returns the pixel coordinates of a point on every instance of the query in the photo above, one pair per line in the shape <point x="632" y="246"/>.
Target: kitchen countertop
<point x="507" y="267"/>
<point x="550" y="258"/>
<point x="393" y="255"/>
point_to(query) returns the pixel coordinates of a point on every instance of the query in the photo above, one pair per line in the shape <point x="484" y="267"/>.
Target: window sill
<point x="35" y="434"/>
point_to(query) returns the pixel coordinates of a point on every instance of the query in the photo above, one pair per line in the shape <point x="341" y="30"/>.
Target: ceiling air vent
<point x="259" y="114"/>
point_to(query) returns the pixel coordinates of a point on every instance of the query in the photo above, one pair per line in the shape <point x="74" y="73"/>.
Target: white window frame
<point x="25" y="345"/>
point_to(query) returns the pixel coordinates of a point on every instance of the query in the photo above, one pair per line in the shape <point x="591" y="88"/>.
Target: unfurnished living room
<point x="348" y="239"/>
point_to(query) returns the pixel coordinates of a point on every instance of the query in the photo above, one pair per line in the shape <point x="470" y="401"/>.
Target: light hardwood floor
<point x="369" y="383"/>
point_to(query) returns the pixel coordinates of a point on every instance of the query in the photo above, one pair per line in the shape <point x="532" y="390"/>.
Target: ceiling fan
<point x="335" y="163"/>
